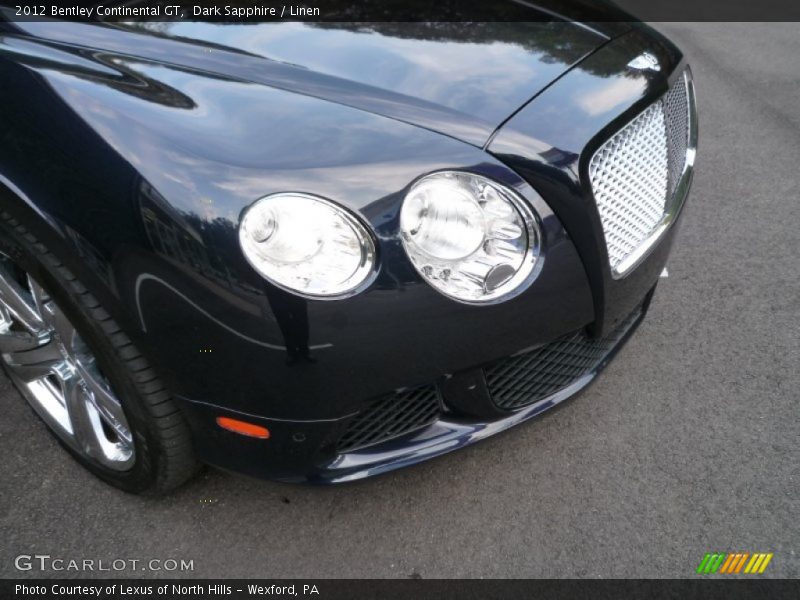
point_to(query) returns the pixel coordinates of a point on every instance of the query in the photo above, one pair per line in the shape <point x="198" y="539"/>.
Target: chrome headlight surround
<point x="308" y="245"/>
<point x="484" y="245"/>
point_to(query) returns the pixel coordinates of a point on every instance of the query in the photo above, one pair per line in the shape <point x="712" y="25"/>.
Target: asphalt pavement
<point x="689" y="443"/>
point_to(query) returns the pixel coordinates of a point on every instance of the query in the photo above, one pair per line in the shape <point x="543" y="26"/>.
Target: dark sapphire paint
<point x="133" y="152"/>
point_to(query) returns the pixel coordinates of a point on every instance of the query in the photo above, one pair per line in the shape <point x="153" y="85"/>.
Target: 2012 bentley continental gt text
<point x="323" y="251"/>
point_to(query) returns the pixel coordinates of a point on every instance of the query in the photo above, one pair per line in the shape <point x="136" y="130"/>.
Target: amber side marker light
<point x="243" y="428"/>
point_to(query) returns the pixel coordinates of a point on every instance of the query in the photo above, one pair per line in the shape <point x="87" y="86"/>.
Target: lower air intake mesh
<point x="391" y="417"/>
<point x="523" y="379"/>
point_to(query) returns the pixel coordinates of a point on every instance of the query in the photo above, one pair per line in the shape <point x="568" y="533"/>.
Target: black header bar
<point x="242" y="11"/>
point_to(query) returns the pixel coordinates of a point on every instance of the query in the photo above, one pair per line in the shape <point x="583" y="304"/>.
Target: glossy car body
<point x="134" y="150"/>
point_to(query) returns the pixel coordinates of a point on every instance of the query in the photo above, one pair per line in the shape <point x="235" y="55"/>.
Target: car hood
<point x="460" y="79"/>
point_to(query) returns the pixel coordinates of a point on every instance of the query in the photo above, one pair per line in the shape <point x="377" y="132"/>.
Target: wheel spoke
<point x="83" y="428"/>
<point x="105" y="402"/>
<point x="37" y="363"/>
<point x="18" y="341"/>
<point x="13" y="296"/>
<point x="51" y="314"/>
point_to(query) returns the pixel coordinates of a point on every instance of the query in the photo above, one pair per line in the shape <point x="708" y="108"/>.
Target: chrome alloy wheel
<point x="58" y="373"/>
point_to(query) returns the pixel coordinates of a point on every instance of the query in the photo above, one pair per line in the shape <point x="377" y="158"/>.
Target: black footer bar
<point x="406" y="589"/>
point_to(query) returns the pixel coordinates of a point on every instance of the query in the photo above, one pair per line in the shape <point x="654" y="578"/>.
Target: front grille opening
<point x="518" y="381"/>
<point x="634" y="175"/>
<point x="391" y="417"/>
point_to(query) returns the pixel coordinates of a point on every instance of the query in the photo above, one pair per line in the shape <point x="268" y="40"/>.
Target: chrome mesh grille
<point x="634" y="174"/>
<point x="391" y="417"/>
<point x="524" y="379"/>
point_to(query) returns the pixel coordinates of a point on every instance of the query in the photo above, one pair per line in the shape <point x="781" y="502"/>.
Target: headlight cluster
<point x="469" y="237"/>
<point x="307" y="245"/>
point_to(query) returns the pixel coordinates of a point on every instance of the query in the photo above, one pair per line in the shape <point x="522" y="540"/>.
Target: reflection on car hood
<point x="462" y="79"/>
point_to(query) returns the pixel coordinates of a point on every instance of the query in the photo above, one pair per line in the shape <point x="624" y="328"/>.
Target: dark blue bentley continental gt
<point x="322" y="251"/>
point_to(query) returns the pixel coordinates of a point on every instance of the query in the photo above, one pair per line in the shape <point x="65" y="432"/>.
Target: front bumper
<point x="324" y="452"/>
<point x="449" y="432"/>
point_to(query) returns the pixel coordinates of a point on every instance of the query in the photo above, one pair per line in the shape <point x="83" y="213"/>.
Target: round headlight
<point x="307" y="245"/>
<point x="471" y="238"/>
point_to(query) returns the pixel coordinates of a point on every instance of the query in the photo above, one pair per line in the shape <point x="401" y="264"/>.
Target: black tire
<point x="164" y="458"/>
